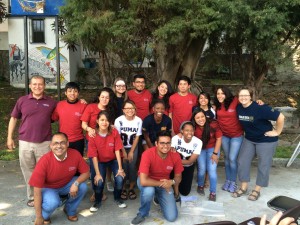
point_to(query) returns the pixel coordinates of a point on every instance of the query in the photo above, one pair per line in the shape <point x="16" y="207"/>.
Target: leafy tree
<point x="3" y="11"/>
<point x="262" y="33"/>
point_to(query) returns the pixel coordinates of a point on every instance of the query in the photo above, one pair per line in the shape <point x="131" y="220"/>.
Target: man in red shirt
<point x="181" y="104"/>
<point x="157" y="163"/>
<point x="54" y="176"/>
<point x="140" y="96"/>
<point x="68" y="113"/>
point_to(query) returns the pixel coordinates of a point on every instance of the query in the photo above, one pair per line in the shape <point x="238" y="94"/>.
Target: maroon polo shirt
<point x="36" y="118"/>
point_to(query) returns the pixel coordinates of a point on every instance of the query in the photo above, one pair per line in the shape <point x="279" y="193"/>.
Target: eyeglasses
<point x="164" y="143"/>
<point x="121" y="86"/>
<point x="243" y="96"/>
<point x="59" y="143"/>
<point x="129" y="108"/>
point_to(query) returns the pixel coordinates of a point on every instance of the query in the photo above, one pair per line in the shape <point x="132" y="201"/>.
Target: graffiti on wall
<point x="41" y="61"/>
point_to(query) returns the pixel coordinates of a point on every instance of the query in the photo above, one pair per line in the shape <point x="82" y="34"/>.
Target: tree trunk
<point x="102" y="68"/>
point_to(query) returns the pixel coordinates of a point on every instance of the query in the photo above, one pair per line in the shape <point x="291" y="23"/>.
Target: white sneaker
<point x="95" y="207"/>
<point x="109" y="186"/>
<point x="120" y="203"/>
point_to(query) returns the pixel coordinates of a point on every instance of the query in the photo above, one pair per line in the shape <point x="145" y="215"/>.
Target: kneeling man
<point x="156" y="165"/>
<point x="54" y="176"/>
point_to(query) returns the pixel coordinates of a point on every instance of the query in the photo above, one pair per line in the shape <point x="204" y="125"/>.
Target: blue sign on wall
<point x="35" y="7"/>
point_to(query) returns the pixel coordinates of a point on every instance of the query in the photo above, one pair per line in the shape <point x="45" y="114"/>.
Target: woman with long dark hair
<point x="163" y="91"/>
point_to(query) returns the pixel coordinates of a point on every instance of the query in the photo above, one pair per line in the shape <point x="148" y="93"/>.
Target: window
<point x="38" y="31"/>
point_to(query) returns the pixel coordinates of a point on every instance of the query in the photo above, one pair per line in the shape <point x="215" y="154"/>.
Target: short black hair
<point x="142" y="76"/>
<point x="185" y="78"/>
<point x="158" y="101"/>
<point x="72" y="85"/>
<point x="60" y="133"/>
<point x="163" y="133"/>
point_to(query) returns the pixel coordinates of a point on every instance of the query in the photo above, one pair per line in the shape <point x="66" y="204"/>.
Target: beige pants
<point x="29" y="154"/>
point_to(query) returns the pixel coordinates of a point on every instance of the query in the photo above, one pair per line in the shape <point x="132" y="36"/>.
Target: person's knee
<point x="148" y="193"/>
<point x="119" y="182"/>
<point x="50" y="204"/>
<point x="83" y="188"/>
<point x="171" y="217"/>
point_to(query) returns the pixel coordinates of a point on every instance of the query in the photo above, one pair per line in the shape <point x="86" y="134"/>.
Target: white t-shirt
<point x="187" y="149"/>
<point x="128" y="129"/>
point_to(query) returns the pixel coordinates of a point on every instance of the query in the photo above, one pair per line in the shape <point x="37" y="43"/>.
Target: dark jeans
<point x="187" y="179"/>
<point x="78" y="145"/>
<point x="118" y="180"/>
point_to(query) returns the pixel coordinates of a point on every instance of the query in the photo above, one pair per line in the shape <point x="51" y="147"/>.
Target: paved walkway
<point x="13" y="209"/>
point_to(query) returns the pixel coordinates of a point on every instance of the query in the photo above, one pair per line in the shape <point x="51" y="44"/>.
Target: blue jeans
<point x="231" y="148"/>
<point x="118" y="180"/>
<point x="166" y="201"/>
<point x="205" y="164"/>
<point x="51" y="199"/>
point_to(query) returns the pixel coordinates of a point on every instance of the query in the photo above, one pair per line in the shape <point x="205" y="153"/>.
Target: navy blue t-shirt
<point x="151" y="127"/>
<point x="120" y="101"/>
<point x="255" y="120"/>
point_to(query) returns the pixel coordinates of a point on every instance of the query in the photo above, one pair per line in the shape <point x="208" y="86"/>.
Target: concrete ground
<point x="13" y="209"/>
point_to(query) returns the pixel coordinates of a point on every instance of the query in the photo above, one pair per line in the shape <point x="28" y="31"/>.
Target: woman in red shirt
<point x="104" y="149"/>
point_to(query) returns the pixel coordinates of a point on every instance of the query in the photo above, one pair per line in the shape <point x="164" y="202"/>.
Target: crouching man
<point x="156" y="165"/>
<point x="54" y="176"/>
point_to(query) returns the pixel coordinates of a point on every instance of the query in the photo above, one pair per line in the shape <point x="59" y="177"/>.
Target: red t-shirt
<point x="90" y="115"/>
<point x="51" y="173"/>
<point x="104" y="148"/>
<point x="181" y="109"/>
<point x="228" y="120"/>
<point x="158" y="168"/>
<point x="69" y="115"/>
<point x="215" y="132"/>
<point x="142" y="101"/>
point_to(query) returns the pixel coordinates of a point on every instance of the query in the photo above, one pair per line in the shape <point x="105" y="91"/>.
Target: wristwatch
<point x="76" y="183"/>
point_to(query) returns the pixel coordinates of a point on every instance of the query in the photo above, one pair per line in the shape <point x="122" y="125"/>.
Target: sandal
<point x="238" y="193"/>
<point x="132" y="194"/>
<point x="30" y="203"/>
<point x="92" y="198"/>
<point x="124" y="195"/>
<point x="254" y="195"/>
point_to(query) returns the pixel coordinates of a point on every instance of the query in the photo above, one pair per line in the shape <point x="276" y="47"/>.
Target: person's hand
<point x="121" y="173"/>
<point x="83" y="101"/>
<point x="214" y="158"/>
<point x="73" y="191"/>
<point x="276" y="218"/>
<point x="260" y="102"/>
<point x="166" y="184"/>
<point x="39" y="221"/>
<point x="91" y="132"/>
<point x="10" y="144"/>
<point x="272" y="133"/>
<point x="97" y="178"/>
<point x="173" y="149"/>
<point x="130" y="156"/>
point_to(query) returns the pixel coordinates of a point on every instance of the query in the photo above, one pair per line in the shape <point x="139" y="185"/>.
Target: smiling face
<point x="129" y="110"/>
<point x="59" y="145"/>
<point x="220" y="95"/>
<point x="163" y="145"/>
<point x="103" y="123"/>
<point x="245" y="97"/>
<point x="104" y="99"/>
<point x="139" y="84"/>
<point x="187" y="132"/>
<point x="72" y="94"/>
<point x="162" y="89"/>
<point x="158" y="110"/>
<point x="37" y="87"/>
<point x="203" y="100"/>
<point x="200" y="119"/>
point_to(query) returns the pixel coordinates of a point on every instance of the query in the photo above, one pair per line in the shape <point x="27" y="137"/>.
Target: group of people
<point x="152" y="140"/>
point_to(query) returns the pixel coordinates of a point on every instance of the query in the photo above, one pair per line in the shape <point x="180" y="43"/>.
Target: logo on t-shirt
<point x="195" y="146"/>
<point x="169" y="167"/>
<point x="191" y="102"/>
<point x="47" y="105"/>
<point x="146" y="100"/>
<point x="179" y="142"/>
<point x="163" y="128"/>
<point x="78" y="114"/>
<point x="231" y="110"/>
<point x="111" y="144"/>
<point x="71" y="168"/>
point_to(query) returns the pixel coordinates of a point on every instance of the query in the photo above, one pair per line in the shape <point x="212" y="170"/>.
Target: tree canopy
<point x="173" y="33"/>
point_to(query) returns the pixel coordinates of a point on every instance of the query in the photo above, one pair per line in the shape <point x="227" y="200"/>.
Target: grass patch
<point x="284" y="152"/>
<point x="9" y="155"/>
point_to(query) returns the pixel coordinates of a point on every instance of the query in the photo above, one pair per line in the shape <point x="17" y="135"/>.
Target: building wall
<point x="41" y="56"/>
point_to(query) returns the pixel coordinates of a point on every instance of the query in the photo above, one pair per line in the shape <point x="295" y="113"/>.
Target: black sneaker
<point x="155" y="201"/>
<point x="120" y="203"/>
<point x="200" y="190"/>
<point x="95" y="207"/>
<point x="137" y="220"/>
<point x="177" y="198"/>
<point x="212" y="197"/>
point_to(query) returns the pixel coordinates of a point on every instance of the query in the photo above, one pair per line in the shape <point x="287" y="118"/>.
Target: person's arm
<point x="91" y="131"/>
<point x="147" y="139"/>
<point x="172" y="129"/>
<point x="11" y="128"/>
<point x="37" y="192"/>
<point x="191" y="160"/>
<point x="74" y="188"/>
<point x="279" y="127"/>
<point x="133" y="148"/>
<point x="120" y="170"/>
<point x="215" y="155"/>
<point x="177" y="179"/>
<point x="147" y="181"/>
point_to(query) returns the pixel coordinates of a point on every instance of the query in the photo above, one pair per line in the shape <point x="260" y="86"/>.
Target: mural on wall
<point x="41" y="61"/>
